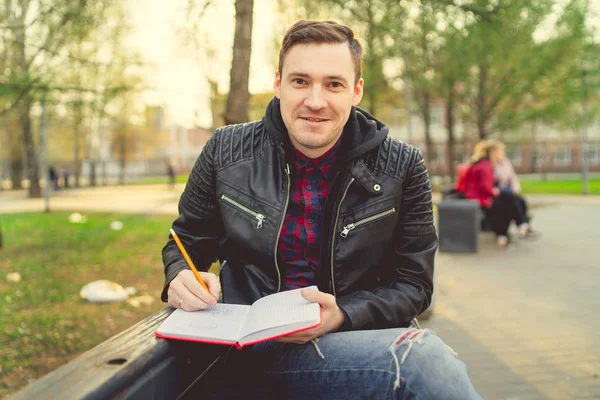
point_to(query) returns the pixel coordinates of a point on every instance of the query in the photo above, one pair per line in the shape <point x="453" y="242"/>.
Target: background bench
<point x="459" y="224"/>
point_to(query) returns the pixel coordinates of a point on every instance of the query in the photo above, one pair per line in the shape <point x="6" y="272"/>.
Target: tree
<point x="419" y="44"/>
<point x="512" y="68"/>
<point x="104" y="81"/>
<point x="239" y="95"/>
<point x="238" y="98"/>
<point x="377" y="24"/>
<point x="451" y="72"/>
<point x="37" y="33"/>
<point x="195" y="41"/>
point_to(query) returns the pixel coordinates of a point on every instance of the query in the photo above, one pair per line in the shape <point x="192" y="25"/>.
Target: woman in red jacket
<point x="479" y="184"/>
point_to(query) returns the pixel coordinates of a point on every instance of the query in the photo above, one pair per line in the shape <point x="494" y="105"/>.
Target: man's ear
<point x="358" y="92"/>
<point x="277" y="85"/>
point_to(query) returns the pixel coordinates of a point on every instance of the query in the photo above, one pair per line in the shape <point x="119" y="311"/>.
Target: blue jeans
<point x="402" y="363"/>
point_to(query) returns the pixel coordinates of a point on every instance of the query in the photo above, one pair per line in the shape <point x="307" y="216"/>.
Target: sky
<point x="178" y="79"/>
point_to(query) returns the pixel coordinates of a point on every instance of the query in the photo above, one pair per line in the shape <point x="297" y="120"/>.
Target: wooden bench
<point x="131" y="365"/>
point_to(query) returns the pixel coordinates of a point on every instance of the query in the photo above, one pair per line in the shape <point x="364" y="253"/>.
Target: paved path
<point x="524" y="319"/>
<point x="145" y="199"/>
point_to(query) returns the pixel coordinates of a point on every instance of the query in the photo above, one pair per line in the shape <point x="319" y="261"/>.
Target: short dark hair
<point x="307" y="32"/>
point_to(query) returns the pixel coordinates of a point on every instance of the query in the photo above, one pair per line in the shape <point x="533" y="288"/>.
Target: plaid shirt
<point x="299" y="246"/>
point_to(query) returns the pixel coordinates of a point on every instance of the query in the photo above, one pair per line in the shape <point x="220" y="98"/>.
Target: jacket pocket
<point x="260" y="218"/>
<point x="346" y="230"/>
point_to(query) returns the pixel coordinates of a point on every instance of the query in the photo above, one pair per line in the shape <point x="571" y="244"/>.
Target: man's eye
<point x="298" y="81"/>
<point x="336" y="85"/>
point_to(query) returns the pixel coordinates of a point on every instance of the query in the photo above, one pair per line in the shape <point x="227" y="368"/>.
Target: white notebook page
<point x="221" y="322"/>
<point x="284" y="308"/>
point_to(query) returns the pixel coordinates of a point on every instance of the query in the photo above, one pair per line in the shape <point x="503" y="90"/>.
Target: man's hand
<point x="496" y="192"/>
<point x="332" y="318"/>
<point x="186" y="292"/>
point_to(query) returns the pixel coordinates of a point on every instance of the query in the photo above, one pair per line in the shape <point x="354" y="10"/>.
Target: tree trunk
<point x="481" y="103"/>
<point x="92" y="173"/>
<point x="123" y="156"/>
<point x="24" y="108"/>
<point x="426" y="102"/>
<point x="450" y="128"/>
<point x="533" y="144"/>
<point x="77" y="120"/>
<point x="104" y="173"/>
<point x="32" y="165"/>
<point x="16" y="168"/>
<point x="238" y="98"/>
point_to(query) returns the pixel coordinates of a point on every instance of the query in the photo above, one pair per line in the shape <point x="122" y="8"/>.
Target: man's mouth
<point x="314" y="119"/>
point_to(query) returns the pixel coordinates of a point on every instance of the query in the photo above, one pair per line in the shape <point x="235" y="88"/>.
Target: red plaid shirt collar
<point x="325" y="162"/>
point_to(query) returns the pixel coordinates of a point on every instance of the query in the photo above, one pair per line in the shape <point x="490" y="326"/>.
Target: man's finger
<point x="316" y="296"/>
<point x="214" y="286"/>
<point x="193" y="286"/>
<point x="192" y="302"/>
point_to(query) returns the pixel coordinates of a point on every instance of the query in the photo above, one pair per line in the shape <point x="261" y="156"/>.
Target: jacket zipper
<point x="259" y="217"/>
<point x="354" y="225"/>
<point x="287" y="199"/>
<point x="337" y="217"/>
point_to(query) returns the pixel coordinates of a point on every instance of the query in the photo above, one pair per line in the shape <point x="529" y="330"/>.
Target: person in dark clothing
<point x="53" y="177"/>
<point x="171" y="173"/>
<point x="509" y="185"/>
<point x="317" y="193"/>
<point x="66" y="174"/>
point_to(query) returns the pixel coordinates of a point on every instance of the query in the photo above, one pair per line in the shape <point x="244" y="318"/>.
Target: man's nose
<point x="315" y="99"/>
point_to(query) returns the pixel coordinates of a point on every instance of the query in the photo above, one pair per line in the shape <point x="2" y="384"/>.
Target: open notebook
<point x="267" y="318"/>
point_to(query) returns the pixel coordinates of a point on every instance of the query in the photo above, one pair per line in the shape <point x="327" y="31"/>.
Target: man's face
<point x="317" y="91"/>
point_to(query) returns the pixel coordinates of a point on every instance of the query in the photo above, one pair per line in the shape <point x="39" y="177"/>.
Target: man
<point x="317" y="193"/>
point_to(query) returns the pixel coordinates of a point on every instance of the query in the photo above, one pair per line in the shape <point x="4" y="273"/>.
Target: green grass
<point x="559" y="187"/>
<point x="43" y="321"/>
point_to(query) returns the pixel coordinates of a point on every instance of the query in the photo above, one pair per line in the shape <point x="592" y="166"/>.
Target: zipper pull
<point x="287" y="168"/>
<point x="346" y="230"/>
<point x="260" y="219"/>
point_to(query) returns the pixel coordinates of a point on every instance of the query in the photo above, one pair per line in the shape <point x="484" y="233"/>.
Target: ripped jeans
<point x="402" y="363"/>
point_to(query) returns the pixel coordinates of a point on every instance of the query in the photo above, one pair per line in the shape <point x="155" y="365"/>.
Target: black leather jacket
<point x="378" y="239"/>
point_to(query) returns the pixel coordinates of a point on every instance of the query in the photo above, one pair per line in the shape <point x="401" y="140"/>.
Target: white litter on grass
<point x="116" y="225"/>
<point x="131" y="290"/>
<point x="13" y="277"/>
<point x="103" y="291"/>
<point x="76" y="218"/>
<point x="140" y="301"/>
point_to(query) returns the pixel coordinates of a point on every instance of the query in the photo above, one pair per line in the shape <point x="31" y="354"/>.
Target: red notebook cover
<point x="236" y="344"/>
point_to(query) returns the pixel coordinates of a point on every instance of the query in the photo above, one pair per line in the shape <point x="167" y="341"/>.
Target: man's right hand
<point x="496" y="191"/>
<point x="186" y="292"/>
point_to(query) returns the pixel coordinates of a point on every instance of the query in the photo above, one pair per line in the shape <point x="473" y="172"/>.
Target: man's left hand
<point x="332" y="318"/>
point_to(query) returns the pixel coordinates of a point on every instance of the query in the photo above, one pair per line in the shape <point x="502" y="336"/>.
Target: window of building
<point x="437" y="113"/>
<point x="591" y="153"/>
<point x="563" y="156"/>
<point x="513" y="153"/>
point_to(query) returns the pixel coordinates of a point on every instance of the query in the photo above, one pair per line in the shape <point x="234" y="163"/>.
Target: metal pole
<point x="584" y="161"/>
<point x="44" y="147"/>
